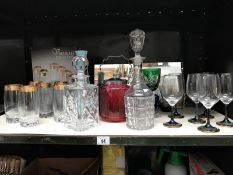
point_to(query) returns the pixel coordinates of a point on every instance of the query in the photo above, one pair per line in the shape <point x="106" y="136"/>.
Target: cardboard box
<point x="62" y="166"/>
<point x="201" y="165"/>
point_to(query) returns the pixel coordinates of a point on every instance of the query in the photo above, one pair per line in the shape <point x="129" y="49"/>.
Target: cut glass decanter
<point x="81" y="98"/>
<point x="139" y="99"/>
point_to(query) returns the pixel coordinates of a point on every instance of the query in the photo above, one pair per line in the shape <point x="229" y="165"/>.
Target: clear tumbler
<point x="46" y="100"/>
<point x="28" y="104"/>
<point x="11" y="92"/>
<point x="58" y="92"/>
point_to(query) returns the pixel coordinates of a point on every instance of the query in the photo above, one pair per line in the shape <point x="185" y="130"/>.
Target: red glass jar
<point x="111" y="96"/>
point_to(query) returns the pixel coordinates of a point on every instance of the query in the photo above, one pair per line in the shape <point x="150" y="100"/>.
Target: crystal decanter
<point x="81" y="98"/>
<point x="139" y="99"/>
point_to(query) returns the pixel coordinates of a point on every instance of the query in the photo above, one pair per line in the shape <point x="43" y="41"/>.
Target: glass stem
<point x="225" y="112"/>
<point x="196" y="116"/>
<point x="172" y="113"/>
<point x="208" y="117"/>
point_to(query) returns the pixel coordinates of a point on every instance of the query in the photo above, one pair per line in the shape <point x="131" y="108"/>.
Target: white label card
<point x="103" y="140"/>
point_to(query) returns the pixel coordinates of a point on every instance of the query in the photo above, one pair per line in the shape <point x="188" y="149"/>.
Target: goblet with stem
<point x="226" y="96"/>
<point x="152" y="77"/>
<point x="192" y="90"/>
<point x="205" y="112"/>
<point x="209" y="95"/>
<point x="172" y="92"/>
<point x="175" y="112"/>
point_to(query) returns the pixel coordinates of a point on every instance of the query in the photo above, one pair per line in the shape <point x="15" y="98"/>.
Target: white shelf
<point x="119" y="133"/>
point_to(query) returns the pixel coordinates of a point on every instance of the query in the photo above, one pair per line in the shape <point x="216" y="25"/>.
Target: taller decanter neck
<point x="137" y="69"/>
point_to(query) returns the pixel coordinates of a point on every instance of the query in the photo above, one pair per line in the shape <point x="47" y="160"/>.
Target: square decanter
<point x="81" y="101"/>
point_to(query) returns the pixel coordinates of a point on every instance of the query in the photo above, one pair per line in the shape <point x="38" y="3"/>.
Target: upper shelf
<point x="50" y="132"/>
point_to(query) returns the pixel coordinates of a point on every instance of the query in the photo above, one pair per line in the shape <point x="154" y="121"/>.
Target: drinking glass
<point x="11" y="92"/>
<point x="152" y="77"/>
<point x="209" y="95"/>
<point x="58" y="108"/>
<point x="172" y="92"/>
<point x="193" y="90"/>
<point x="226" y="96"/>
<point x="206" y="112"/>
<point x="46" y="100"/>
<point x="28" y="106"/>
<point x="175" y="112"/>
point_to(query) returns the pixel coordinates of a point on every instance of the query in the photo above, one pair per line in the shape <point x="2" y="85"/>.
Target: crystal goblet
<point x="172" y="92"/>
<point x="192" y="90"/>
<point x="209" y="95"/>
<point x="226" y="96"/>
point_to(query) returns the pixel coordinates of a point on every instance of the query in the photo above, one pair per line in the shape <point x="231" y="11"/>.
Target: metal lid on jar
<point x="44" y="85"/>
<point x="115" y="80"/>
<point x="59" y="85"/>
<point x="12" y="87"/>
<point x="28" y="88"/>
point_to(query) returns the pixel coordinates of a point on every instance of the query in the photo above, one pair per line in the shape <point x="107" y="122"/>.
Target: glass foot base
<point x="225" y="123"/>
<point x="143" y="123"/>
<point x="26" y="124"/>
<point x="172" y="124"/>
<point x="196" y="120"/>
<point x="203" y="116"/>
<point x="209" y="129"/>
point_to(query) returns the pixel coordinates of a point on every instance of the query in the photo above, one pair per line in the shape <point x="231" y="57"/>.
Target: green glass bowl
<point x="152" y="77"/>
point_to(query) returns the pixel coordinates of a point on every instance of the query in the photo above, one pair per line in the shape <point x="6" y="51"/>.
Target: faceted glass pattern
<point x="81" y="106"/>
<point x="140" y="112"/>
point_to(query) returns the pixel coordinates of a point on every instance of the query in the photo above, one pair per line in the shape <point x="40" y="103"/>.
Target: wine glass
<point x="226" y="96"/>
<point x="175" y="112"/>
<point x="209" y="95"/>
<point x="172" y="92"/>
<point x="152" y="77"/>
<point x="192" y="90"/>
<point x="205" y="112"/>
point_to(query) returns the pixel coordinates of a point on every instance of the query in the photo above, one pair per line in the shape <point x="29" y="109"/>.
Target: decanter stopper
<point x="137" y="38"/>
<point x="80" y="62"/>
